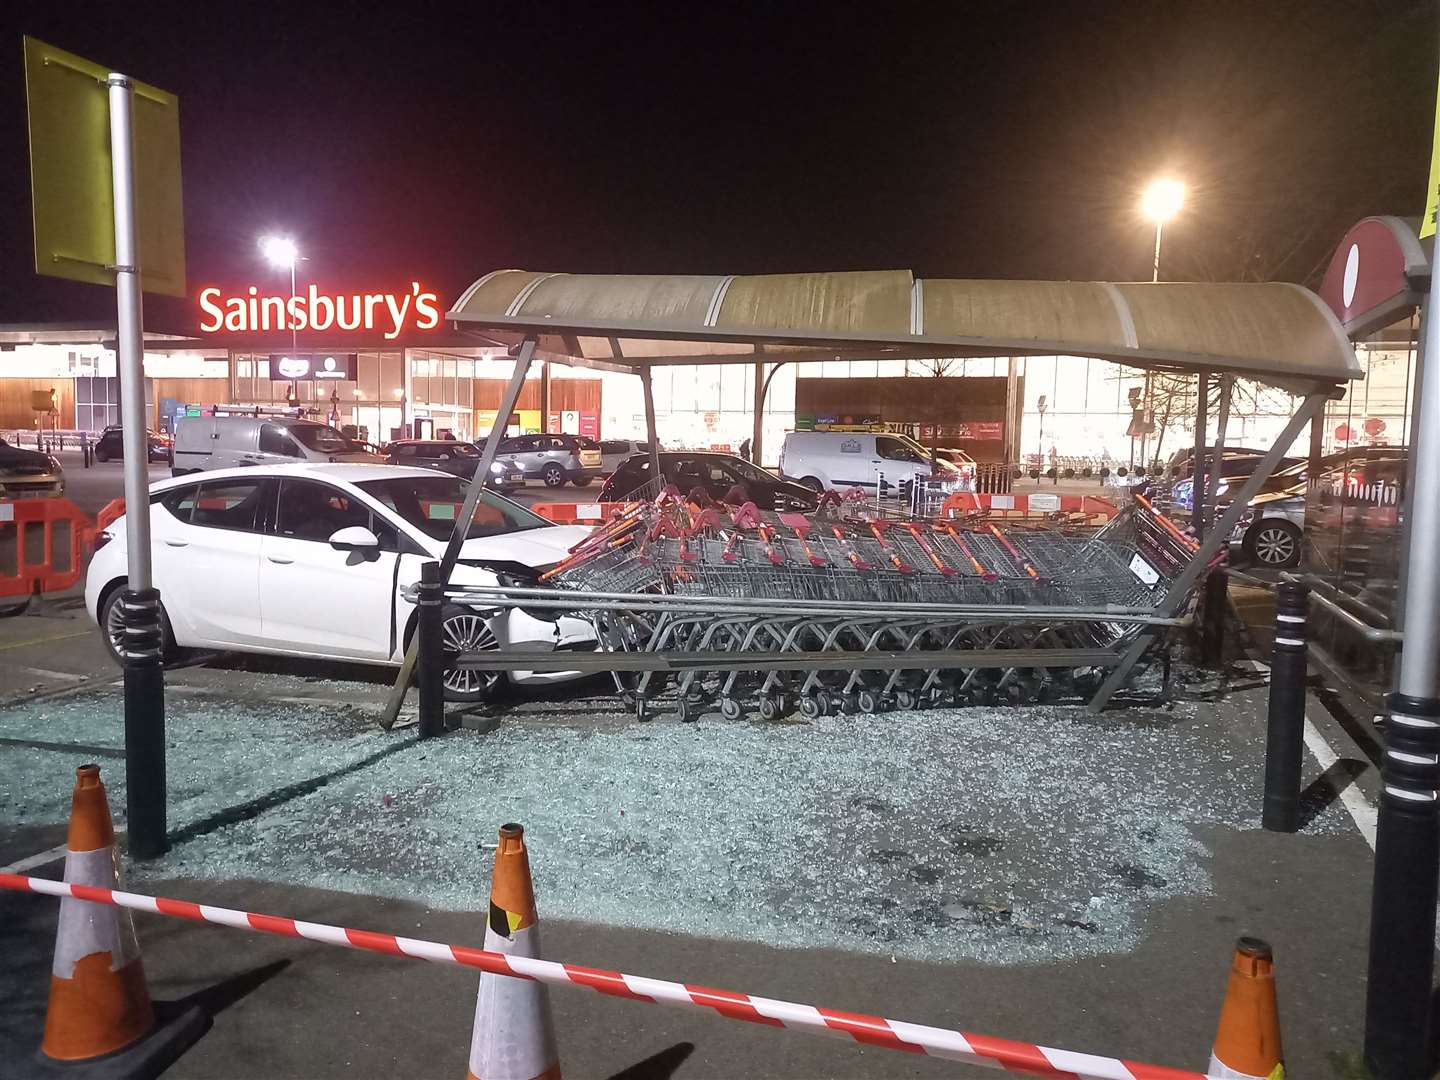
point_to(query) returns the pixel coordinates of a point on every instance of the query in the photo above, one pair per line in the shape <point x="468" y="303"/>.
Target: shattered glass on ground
<point x="1001" y="835"/>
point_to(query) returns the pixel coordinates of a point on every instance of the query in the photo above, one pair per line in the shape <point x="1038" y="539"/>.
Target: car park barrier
<point x="43" y="544"/>
<point x="1086" y="508"/>
<point x="579" y="513"/>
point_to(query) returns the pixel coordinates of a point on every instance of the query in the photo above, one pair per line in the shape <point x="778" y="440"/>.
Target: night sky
<point x="954" y="139"/>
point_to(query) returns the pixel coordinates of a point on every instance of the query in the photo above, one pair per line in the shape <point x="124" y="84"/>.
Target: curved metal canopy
<point x="1275" y="332"/>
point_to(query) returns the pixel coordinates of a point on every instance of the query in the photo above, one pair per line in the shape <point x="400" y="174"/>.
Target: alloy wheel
<point x="1274" y="546"/>
<point x="468" y="633"/>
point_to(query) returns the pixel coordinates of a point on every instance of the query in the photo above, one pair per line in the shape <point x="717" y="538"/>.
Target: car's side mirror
<point x="354" y="538"/>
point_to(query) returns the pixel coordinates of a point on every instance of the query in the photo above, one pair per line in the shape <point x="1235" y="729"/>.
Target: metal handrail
<point x="1334" y="601"/>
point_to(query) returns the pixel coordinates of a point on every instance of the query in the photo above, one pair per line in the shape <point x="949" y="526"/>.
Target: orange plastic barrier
<point x="43" y="544"/>
<point x="580" y="513"/>
<point x="1037" y="503"/>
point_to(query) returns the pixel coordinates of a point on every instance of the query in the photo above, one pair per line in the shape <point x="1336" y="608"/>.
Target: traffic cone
<point x="100" y="1020"/>
<point x="1247" y="1044"/>
<point x="514" y="1037"/>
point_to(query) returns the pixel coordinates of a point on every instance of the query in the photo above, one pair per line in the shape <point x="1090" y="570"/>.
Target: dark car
<point x="111" y="445"/>
<point x="453" y="457"/>
<point x="29" y="474"/>
<point x="716" y="473"/>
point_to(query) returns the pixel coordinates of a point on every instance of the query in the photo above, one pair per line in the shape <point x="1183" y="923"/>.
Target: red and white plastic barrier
<point x="580" y="513"/>
<point x="1033" y="504"/>
<point x="944" y="1043"/>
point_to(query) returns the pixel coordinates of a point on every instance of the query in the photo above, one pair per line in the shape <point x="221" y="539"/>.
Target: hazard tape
<point x="944" y="1043"/>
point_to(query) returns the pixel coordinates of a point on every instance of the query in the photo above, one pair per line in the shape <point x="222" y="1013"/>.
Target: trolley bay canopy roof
<point x="1275" y="332"/>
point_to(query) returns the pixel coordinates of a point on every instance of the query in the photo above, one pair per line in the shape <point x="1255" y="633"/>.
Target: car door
<point x="523" y="450"/>
<point x="207" y="560"/>
<point x="314" y="599"/>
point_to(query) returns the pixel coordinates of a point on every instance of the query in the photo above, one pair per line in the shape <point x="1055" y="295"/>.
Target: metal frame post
<point x="647" y="385"/>
<point x="1285" y="727"/>
<point x="1209" y="546"/>
<point x="144" y="636"/>
<point x="523" y="358"/>
<point x="1407" y="839"/>
<point x="1197" y="466"/>
<point x="757" y="436"/>
<point x="430" y="633"/>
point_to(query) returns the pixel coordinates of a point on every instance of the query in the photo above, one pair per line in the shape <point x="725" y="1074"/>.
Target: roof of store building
<point x="1276" y="332"/>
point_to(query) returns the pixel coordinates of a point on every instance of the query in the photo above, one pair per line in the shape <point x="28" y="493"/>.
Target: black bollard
<point x="144" y="724"/>
<point x="430" y="599"/>
<point x="1285" y="736"/>
<point x="1212" y="612"/>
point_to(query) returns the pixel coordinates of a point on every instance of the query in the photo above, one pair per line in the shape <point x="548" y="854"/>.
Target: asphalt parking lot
<point x="1032" y="873"/>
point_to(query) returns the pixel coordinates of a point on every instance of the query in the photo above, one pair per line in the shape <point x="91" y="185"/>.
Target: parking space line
<point x="30" y="862"/>
<point x="1360" y="808"/>
<point x="54" y="674"/>
<point x="44" y="640"/>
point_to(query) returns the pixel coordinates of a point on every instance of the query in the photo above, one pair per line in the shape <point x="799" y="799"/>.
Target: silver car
<point x="554" y="458"/>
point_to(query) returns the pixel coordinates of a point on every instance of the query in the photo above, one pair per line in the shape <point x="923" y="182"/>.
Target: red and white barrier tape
<point x="872" y="1030"/>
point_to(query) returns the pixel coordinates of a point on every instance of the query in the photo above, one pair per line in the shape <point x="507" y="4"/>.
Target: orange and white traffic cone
<point x="1247" y="1044"/>
<point x="514" y="1037"/>
<point x="98" y="999"/>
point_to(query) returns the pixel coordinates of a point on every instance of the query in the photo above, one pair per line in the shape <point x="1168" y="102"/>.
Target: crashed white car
<point x="313" y="560"/>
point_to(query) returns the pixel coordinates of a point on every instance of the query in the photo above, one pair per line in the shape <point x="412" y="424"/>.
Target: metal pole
<point x="1197" y="485"/>
<point x="1212" y="483"/>
<point x="757" y="436"/>
<point x="294" y="335"/>
<point x="1285" y="731"/>
<point x="648" y="386"/>
<point x="430" y="632"/>
<point x="1155" y="277"/>
<point x="140" y="603"/>
<point x="1407" y="841"/>
<point x="462" y="521"/>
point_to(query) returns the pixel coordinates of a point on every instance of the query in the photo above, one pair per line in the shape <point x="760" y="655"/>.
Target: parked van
<point x="229" y="442"/>
<point x="838" y="460"/>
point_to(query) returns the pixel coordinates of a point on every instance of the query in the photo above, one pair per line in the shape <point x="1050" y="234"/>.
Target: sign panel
<point x="1432" y="194"/>
<point x="70" y="181"/>
<point x="333" y="366"/>
<point x="315" y="309"/>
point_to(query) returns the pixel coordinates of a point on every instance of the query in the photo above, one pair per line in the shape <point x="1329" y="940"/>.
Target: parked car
<point x="614" y="452"/>
<point x="715" y="473"/>
<point x="453" y="457"/>
<point x="836" y="460"/>
<point x="29" y="474"/>
<point x="312" y="560"/>
<point x="554" y="458"/>
<point x="228" y="442"/>
<point x="111" y="444"/>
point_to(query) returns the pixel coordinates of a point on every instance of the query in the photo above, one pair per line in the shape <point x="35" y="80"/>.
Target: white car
<point x="312" y="560"/>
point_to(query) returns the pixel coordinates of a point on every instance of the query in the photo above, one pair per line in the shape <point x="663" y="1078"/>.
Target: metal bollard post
<point x="85" y="448"/>
<point x="1285" y="734"/>
<point x="431" y="650"/>
<point x="144" y="724"/>
<point x="1213" y="609"/>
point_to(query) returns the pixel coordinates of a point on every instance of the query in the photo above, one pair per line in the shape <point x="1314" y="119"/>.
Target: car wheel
<point x="582" y="481"/>
<point x="813" y="483"/>
<point x="101" y="455"/>
<point x="112" y="628"/>
<point x="554" y="475"/>
<point x="1273" y="543"/>
<point x="467" y="631"/>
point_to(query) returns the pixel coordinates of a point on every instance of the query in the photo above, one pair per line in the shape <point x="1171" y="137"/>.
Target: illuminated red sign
<point x="390" y="313"/>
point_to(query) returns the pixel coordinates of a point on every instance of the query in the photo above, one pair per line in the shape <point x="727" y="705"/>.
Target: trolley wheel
<point x="686" y="711"/>
<point x="937" y="695"/>
<point x="769" y="708"/>
<point x="824" y="702"/>
<point x="810" y="707"/>
<point x="729" y="708"/>
<point x="846" y="702"/>
<point x="868" y="702"/>
<point x="642" y="709"/>
<point x="906" y="699"/>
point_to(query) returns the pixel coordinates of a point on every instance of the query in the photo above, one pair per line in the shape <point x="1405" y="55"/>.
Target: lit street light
<point x="281" y="253"/>
<point x="1160" y="203"/>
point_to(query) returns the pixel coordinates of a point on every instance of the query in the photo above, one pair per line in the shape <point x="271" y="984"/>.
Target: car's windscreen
<point x="747" y="471"/>
<point x="432" y="503"/>
<point x="323" y="439"/>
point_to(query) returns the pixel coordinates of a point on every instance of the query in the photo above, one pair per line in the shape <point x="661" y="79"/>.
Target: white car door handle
<point x="280" y="559"/>
<point x="177" y="543"/>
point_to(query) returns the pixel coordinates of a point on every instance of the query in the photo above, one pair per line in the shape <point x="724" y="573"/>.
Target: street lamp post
<point x="1160" y="203"/>
<point x="281" y="253"/>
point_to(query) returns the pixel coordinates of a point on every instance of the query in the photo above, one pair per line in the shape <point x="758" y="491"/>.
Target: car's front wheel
<point x="1273" y="543"/>
<point x="101" y="455"/>
<point x="554" y="475"/>
<point x="467" y="631"/>
<point x="112" y="628"/>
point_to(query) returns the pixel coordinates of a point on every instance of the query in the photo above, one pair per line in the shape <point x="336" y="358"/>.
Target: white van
<point x="838" y="460"/>
<point x="230" y="442"/>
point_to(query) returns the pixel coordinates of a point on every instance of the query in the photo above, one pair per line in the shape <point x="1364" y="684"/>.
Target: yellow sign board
<point x="70" y="181"/>
<point x="1432" y="196"/>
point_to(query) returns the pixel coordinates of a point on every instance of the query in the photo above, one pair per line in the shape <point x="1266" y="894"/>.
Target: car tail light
<point x="102" y="538"/>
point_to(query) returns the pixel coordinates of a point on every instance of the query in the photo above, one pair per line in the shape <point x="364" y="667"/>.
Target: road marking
<point x="43" y="640"/>
<point x="32" y="861"/>
<point x="54" y="674"/>
<point x="1363" y="814"/>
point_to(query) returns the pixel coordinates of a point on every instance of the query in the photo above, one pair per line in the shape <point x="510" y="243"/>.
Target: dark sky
<point x="955" y="139"/>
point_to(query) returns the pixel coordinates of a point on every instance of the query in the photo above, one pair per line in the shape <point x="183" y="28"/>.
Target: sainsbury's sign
<point x="390" y="313"/>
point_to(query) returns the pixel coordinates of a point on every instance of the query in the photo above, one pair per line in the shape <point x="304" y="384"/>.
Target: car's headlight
<point x="496" y="467"/>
